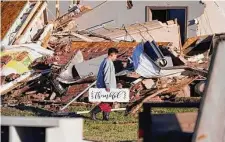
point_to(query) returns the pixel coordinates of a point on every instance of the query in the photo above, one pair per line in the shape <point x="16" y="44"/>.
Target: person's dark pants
<point x="105" y="108"/>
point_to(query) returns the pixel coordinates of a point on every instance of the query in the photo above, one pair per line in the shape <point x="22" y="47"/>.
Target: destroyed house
<point x="164" y="54"/>
<point x="195" y="18"/>
<point x="145" y="11"/>
<point x="151" y="56"/>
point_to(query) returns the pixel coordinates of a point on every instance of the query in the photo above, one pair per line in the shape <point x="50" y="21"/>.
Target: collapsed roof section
<point x="138" y="32"/>
<point x="94" y="49"/>
<point x="9" y="17"/>
<point x="22" y="24"/>
<point x="90" y="46"/>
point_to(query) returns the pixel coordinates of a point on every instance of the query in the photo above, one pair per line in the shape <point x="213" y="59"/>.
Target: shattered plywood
<point x="201" y="45"/>
<point x="10" y="10"/>
<point x="195" y="40"/>
<point x="28" y="18"/>
<point x="34" y="25"/>
<point x="189" y="42"/>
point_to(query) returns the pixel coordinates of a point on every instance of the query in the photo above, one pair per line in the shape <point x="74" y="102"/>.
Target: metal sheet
<point x="66" y="74"/>
<point x="211" y="121"/>
<point x="90" y="67"/>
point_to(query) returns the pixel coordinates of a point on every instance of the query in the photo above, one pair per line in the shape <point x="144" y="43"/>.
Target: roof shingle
<point x="10" y="10"/>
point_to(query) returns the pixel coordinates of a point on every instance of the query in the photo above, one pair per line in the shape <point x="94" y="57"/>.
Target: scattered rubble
<point x="199" y="88"/>
<point x="148" y="83"/>
<point x="158" y="69"/>
<point x="185" y="92"/>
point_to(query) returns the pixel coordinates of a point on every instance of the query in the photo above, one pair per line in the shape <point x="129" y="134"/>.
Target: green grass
<point x="118" y="128"/>
<point x="15" y="112"/>
<point x="172" y="110"/>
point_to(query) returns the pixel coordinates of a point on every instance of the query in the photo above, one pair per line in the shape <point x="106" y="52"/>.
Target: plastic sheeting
<point x="143" y="64"/>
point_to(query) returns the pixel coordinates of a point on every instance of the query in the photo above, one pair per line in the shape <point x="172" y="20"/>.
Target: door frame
<point x="147" y="8"/>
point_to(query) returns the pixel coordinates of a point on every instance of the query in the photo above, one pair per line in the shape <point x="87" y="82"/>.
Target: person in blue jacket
<point x="106" y="78"/>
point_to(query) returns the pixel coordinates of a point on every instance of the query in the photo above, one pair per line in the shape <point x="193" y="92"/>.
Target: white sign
<point x="115" y="95"/>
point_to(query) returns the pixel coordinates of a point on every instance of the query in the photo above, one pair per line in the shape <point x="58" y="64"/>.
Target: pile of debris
<point x="154" y="66"/>
<point x="57" y="79"/>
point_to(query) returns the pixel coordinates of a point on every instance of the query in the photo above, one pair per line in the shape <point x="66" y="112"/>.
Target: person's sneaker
<point x="94" y="112"/>
<point x="106" y="116"/>
<point x="93" y="116"/>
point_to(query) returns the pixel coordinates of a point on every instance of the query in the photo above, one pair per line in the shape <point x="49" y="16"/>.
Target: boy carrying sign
<point x="106" y="79"/>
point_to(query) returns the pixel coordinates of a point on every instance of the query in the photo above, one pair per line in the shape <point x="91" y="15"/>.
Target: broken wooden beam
<point x="13" y="84"/>
<point x="116" y="109"/>
<point x="81" y="37"/>
<point x="57" y="8"/>
<point x="134" y="108"/>
<point x="94" y="34"/>
<point x="28" y="19"/>
<point x="86" y="39"/>
<point x="24" y="35"/>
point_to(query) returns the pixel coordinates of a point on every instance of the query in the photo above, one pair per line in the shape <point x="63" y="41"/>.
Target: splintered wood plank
<point x="82" y="37"/>
<point x="172" y="88"/>
<point x="189" y="42"/>
<point x="31" y="14"/>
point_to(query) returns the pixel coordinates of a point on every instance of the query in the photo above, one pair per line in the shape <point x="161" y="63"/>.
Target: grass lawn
<point x="119" y="128"/>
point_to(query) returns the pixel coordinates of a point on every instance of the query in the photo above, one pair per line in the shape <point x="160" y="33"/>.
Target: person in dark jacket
<point x="106" y="79"/>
